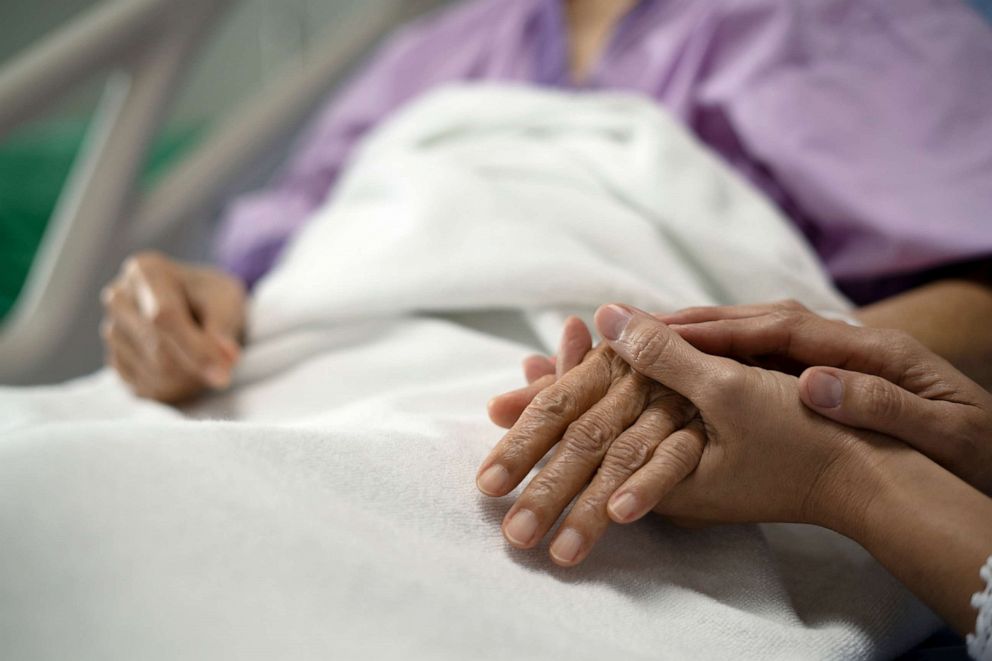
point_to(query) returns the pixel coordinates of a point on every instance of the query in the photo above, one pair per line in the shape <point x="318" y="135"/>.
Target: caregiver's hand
<point x="768" y="458"/>
<point x="869" y="378"/>
<point x="171" y="330"/>
<point x="729" y="463"/>
<point x="761" y="455"/>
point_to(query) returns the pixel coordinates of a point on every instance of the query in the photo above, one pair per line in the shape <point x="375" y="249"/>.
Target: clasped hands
<point x="681" y="416"/>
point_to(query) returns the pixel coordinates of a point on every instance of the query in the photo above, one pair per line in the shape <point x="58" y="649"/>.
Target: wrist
<point x="852" y="487"/>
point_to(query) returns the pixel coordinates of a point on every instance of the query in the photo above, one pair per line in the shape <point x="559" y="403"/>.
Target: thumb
<point x="659" y="353"/>
<point x="870" y="402"/>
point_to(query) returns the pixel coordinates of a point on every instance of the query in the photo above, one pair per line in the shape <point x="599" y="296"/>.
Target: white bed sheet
<point x="325" y="507"/>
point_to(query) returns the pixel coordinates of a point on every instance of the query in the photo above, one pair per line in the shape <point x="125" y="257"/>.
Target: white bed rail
<point x="148" y="43"/>
<point x="145" y="45"/>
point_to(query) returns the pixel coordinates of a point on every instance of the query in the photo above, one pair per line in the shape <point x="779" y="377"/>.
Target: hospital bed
<point x="146" y="47"/>
<point x="255" y="491"/>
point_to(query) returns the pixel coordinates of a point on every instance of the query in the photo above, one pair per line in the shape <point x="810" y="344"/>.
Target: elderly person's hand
<point x="541" y="371"/>
<point x="754" y="452"/>
<point x="751" y="453"/>
<point x="171" y="330"/>
<point x="605" y="420"/>
<point x="880" y="380"/>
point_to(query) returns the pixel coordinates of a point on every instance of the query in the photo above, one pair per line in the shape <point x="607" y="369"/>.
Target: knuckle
<point x="725" y="385"/>
<point x="164" y="317"/>
<point x="681" y="451"/>
<point x="787" y="317"/>
<point x="648" y="349"/>
<point x="588" y="435"/>
<point x="589" y="509"/>
<point x="881" y="399"/>
<point x="542" y="492"/>
<point x="554" y="402"/>
<point x="628" y="453"/>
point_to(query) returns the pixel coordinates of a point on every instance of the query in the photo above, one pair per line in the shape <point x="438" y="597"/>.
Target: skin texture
<point x="880" y="380"/>
<point x="950" y="317"/>
<point x="172" y="330"/>
<point x="748" y="430"/>
<point x="600" y="405"/>
<point x="886" y="380"/>
<point x="686" y="435"/>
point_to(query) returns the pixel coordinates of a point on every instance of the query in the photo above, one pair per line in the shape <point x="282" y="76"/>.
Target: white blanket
<point x="325" y="507"/>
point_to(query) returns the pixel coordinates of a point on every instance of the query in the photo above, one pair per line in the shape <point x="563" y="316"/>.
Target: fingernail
<point x="521" y="528"/>
<point x="567" y="546"/>
<point x="493" y="480"/>
<point x="612" y="319"/>
<point x="825" y="390"/>
<point x="217" y="377"/>
<point x="623" y="506"/>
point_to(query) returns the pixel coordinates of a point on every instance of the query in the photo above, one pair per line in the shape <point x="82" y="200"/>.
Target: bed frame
<point x="145" y="46"/>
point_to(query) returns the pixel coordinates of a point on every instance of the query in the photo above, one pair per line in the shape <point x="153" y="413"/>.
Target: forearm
<point x="931" y="530"/>
<point x="951" y="317"/>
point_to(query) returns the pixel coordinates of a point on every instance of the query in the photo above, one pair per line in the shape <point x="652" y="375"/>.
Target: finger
<point x="160" y="300"/>
<point x="579" y="454"/>
<point x="588" y="519"/>
<point x="699" y="314"/>
<point x="132" y="370"/>
<point x="659" y="353"/>
<point x="809" y="339"/>
<point x="536" y="367"/>
<point x="873" y="403"/>
<point x="506" y="409"/>
<point x="778" y="333"/>
<point x="228" y="345"/>
<point x="158" y="358"/>
<point x="542" y="424"/>
<point x="673" y="460"/>
<point x="121" y="345"/>
<point x="123" y="366"/>
<point x="217" y="301"/>
<point x="576" y="342"/>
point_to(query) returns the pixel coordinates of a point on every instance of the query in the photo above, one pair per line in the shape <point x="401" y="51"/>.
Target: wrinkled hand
<point x="875" y="379"/>
<point x="541" y="371"/>
<point x="745" y="450"/>
<point x="606" y="421"/>
<point x="171" y="330"/>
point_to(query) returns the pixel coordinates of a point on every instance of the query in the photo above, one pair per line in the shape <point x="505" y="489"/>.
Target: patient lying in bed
<point x="867" y="204"/>
<point x="324" y="505"/>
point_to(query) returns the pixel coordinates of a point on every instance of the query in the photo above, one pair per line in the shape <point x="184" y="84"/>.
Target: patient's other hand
<point x="171" y="330"/>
